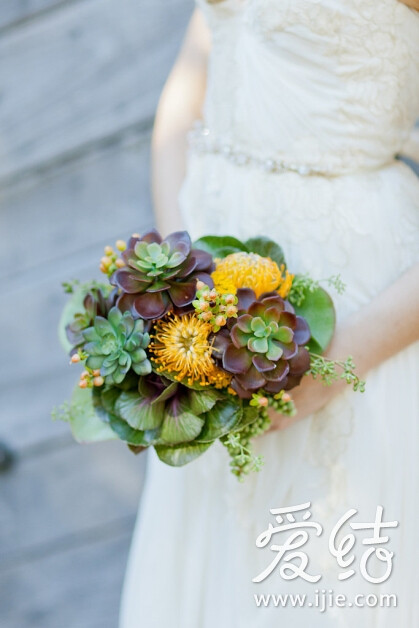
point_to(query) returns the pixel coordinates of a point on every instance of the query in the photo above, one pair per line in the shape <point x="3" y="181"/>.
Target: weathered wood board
<point x="73" y="209"/>
<point x="79" y="80"/>
<point x="78" y="587"/>
<point x="13" y="12"/>
<point x="82" y="73"/>
<point x="64" y="493"/>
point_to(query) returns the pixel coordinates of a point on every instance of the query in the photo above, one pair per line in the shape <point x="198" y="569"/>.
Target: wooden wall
<point x="79" y="82"/>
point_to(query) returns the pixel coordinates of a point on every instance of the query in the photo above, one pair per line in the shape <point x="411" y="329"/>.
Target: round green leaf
<point x="220" y="420"/>
<point x="180" y="425"/>
<point x="249" y="415"/>
<point x="219" y="246"/>
<point x="172" y="378"/>
<point x="319" y="312"/>
<point x="125" y="432"/>
<point x="139" y="412"/>
<point x="86" y="425"/>
<point x="203" y="400"/>
<point x="266" y="248"/>
<point x="179" y="455"/>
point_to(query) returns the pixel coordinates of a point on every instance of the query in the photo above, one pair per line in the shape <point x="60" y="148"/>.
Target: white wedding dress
<point x="308" y="103"/>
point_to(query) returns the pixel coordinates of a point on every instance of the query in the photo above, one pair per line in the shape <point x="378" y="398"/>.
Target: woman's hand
<point x="372" y="335"/>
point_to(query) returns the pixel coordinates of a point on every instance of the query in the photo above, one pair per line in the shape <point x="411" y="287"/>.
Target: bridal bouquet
<point x="185" y="344"/>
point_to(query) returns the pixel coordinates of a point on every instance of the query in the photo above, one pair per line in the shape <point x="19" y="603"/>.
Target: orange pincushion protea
<point x="249" y="270"/>
<point x="180" y="346"/>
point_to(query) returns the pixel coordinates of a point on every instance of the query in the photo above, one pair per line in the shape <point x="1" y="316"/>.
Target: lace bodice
<point x="332" y="84"/>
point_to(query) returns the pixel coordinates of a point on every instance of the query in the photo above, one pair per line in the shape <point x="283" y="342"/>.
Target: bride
<point x="304" y="106"/>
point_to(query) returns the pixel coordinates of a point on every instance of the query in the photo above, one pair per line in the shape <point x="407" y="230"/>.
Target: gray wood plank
<point x="78" y="588"/>
<point x="82" y="73"/>
<point x="78" y="206"/>
<point x="74" y="212"/>
<point x="53" y="499"/>
<point x="14" y="11"/>
<point x="25" y="408"/>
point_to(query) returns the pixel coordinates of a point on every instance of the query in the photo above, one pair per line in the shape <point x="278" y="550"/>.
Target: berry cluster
<point x="111" y="261"/>
<point x="212" y="307"/>
<point x="89" y="377"/>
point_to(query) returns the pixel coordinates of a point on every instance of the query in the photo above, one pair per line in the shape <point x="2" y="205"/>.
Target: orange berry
<point x="200" y="285"/>
<point x="83" y="383"/>
<point x="121" y="245"/>
<point x="84" y="375"/>
<point x="229" y="299"/>
<point x="206" y="316"/>
<point x="220" y="321"/>
<point x="203" y="305"/>
<point x="106" y="261"/>
<point x="263" y="402"/>
<point x="98" y="381"/>
<point x="96" y="373"/>
<point x="119" y="263"/>
<point x="286" y="398"/>
<point x="231" y="310"/>
<point x="75" y="358"/>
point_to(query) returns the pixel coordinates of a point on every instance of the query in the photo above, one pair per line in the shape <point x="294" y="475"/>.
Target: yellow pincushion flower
<point x="249" y="270"/>
<point x="180" y="346"/>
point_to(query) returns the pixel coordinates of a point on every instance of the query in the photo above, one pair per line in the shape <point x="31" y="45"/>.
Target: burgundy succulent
<point x="160" y="275"/>
<point x="264" y="348"/>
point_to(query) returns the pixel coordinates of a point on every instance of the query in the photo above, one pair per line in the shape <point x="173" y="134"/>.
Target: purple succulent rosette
<point x="160" y="275"/>
<point x="264" y="348"/>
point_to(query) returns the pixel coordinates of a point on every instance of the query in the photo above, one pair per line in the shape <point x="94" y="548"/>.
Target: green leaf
<point x="134" y="437"/>
<point x="172" y="378"/>
<point x="319" y="312"/>
<point x="219" y="246"/>
<point x="266" y="248"/>
<point x="203" y="400"/>
<point x="167" y="393"/>
<point x="249" y="415"/>
<point x="180" y="425"/>
<point x="85" y="423"/>
<point x="109" y="397"/>
<point x="220" y="420"/>
<point x="138" y="411"/>
<point x="180" y="455"/>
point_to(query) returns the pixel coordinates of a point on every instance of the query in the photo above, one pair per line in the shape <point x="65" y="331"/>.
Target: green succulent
<point x="154" y="259"/>
<point x="116" y="344"/>
<point x="260" y="335"/>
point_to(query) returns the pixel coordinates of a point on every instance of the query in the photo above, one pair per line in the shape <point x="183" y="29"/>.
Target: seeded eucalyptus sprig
<point x="328" y="371"/>
<point x="61" y="412"/>
<point x="243" y="460"/>
<point x="304" y="284"/>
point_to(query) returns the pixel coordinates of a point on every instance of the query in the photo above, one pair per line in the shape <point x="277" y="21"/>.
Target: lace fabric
<point x="358" y="62"/>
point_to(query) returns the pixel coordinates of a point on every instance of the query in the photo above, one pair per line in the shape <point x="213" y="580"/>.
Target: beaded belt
<point x="202" y="140"/>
